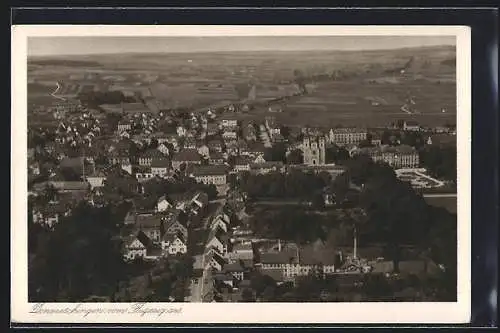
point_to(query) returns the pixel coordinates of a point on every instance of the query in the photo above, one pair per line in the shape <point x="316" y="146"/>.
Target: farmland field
<point x="369" y="89"/>
<point x="349" y="103"/>
<point x="39" y="93"/>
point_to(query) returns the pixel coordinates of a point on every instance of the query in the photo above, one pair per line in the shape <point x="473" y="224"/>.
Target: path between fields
<point x="53" y="94"/>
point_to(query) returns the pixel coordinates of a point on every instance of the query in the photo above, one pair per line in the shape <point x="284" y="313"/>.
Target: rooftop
<point x="265" y="165"/>
<point x="311" y="256"/>
<point x="187" y="155"/>
<point x="65" y="185"/>
<point x="283" y="257"/>
<point x="403" y="149"/>
<point x="160" y="163"/>
<point x="275" y="274"/>
<point x="152" y="153"/>
<point x="171" y="237"/>
<point x="134" y="107"/>
<point x="215" y="155"/>
<point x="234" y="267"/>
<point x="348" y="130"/>
<point x="148" y="221"/>
<point x="209" y="170"/>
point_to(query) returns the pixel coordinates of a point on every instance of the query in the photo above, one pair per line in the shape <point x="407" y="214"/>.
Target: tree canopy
<point x="79" y="258"/>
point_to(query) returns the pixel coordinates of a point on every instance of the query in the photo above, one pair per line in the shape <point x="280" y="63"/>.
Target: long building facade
<point x="397" y="157"/>
<point x="347" y="136"/>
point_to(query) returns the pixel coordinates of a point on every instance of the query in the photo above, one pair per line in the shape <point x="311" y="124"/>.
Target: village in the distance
<point x="316" y="176"/>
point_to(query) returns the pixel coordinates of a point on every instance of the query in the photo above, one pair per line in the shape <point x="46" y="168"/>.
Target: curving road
<point x="53" y="94"/>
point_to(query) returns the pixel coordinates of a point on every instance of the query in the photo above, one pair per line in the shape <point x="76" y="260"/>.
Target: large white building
<point x="398" y="157"/>
<point x="210" y="174"/>
<point x="298" y="262"/>
<point x="347" y="136"/>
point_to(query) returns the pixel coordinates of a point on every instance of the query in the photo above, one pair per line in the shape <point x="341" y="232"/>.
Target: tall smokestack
<point x="355" y="244"/>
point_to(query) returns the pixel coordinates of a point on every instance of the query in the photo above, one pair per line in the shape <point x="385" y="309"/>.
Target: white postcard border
<point x="126" y="313"/>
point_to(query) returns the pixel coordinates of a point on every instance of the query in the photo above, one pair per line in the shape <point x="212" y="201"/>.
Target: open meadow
<point x="343" y="87"/>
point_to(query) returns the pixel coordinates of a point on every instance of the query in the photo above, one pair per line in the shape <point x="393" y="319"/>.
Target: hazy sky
<point x="38" y="46"/>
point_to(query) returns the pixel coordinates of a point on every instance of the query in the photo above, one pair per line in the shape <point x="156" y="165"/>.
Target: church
<point x="313" y="149"/>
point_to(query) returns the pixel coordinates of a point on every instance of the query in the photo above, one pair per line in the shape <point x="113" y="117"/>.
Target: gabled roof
<point x="218" y="259"/>
<point x="220" y="234"/>
<point x="243" y="160"/>
<point x="187" y="155"/>
<point x="234" y="267"/>
<point x="72" y="162"/>
<point x="265" y="165"/>
<point x="310" y="256"/>
<point x="283" y="257"/>
<point x="190" y="141"/>
<point x="172" y="236"/>
<point x="275" y="274"/>
<point x="200" y="198"/>
<point x="70" y="185"/>
<point x="54" y="208"/>
<point x="141" y="236"/>
<point x="169" y="222"/>
<point x="97" y="173"/>
<point x="209" y="170"/>
<point x="215" y="155"/>
<point x="178" y="197"/>
<point x="148" y="221"/>
<point x="214" y="143"/>
<point x="162" y="198"/>
<point x="160" y="163"/>
<point x="152" y="153"/>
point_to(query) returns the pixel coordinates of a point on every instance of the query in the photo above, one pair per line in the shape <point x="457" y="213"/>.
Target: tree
<point x="276" y="153"/>
<point x="295" y="157"/>
<point x="285" y="131"/>
<point x="79" y="258"/>
<point x="153" y="144"/>
<point x="259" y="282"/>
<point x="386" y="137"/>
<point x="365" y="143"/>
<point x="340" y="186"/>
<point x="269" y="294"/>
<point x="247" y="295"/>
<point x="318" y="201"/>
<point x="359" y="168"/>
<point x="232" y="180"/>
<point x="441" y="162"/>
<point x="337" y="155"/>
<point x="376" y="287"/>
<point x="50" y="193"/>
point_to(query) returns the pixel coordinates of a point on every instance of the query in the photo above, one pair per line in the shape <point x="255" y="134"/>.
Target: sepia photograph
<point x="252" y="168"/>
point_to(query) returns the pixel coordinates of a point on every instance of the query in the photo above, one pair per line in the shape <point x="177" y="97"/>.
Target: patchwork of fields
<point x="369" y="92"/>
<point x="357" y="102"/>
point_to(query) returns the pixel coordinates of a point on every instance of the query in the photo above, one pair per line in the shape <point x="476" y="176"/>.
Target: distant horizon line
<point x="241" y="51"/>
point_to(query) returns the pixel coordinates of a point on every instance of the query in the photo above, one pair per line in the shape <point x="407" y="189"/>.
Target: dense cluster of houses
<point x="164" y="231"/>
<point x="148" y="145"/>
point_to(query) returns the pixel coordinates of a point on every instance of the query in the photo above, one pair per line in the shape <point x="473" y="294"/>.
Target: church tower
<point x="314" y="150"/>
